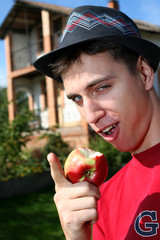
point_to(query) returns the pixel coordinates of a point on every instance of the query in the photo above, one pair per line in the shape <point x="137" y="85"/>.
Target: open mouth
<point x="109" y="130"/>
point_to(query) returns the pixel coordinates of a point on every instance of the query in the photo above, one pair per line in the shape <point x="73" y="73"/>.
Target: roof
<point x="46" y="6"/>
<point x="24" y="10"/>
<point x="30" y="9"/>
<point x="145" y="26"/>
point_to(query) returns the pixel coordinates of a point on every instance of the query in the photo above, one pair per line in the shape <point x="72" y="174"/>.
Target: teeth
<point x="108" y="128"/>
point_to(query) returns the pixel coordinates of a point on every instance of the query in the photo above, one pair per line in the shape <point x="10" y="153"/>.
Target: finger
<point x="83" y="189"/>
<point x="57" y="171"/>
<point x="78" y="191"/>
<point x="85" y="215"/>
<point x="83" y="203"/>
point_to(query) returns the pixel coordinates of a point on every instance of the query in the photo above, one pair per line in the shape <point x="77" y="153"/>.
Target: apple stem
<point x="88" y="173"/>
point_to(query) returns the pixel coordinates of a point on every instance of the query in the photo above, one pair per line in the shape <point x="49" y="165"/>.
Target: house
<point x="30" y="30"/>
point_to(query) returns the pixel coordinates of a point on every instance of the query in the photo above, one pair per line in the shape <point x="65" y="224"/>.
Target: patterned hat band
<point x="89" y="23"/>
<point x="93" y="22"/>
<point x="88" y="20"/>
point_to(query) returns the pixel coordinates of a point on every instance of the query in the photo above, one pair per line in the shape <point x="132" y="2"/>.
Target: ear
<point x="146" y="73"/>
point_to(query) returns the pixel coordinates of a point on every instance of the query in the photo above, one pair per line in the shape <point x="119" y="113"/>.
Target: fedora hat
<point x="89" y="23"/>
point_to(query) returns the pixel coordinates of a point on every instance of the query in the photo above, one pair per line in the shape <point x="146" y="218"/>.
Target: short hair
<point x="119" y="53"/>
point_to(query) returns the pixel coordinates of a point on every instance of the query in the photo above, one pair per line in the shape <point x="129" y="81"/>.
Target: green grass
<point x="30" y="217"/>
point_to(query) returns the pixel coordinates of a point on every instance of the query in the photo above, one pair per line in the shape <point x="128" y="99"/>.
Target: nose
<point x="92" y="110"/>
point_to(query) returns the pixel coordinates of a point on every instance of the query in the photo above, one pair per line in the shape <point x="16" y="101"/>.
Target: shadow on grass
<point x="30" y="217"/>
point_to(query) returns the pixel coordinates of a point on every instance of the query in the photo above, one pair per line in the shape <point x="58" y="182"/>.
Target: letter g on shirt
<point x="146" y="224"/>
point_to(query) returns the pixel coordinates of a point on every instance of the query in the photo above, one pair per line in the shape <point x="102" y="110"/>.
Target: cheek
<point x="134" y="125"/>
<point x="132" y="99"/>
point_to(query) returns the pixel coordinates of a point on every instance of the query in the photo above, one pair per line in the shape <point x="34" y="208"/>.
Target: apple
<point x="84" y="164"/>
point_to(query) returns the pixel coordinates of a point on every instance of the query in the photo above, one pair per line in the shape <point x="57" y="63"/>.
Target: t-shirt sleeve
<point x="98" y="227"/>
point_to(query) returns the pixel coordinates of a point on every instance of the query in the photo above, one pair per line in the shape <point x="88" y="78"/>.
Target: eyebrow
<point x="89" y="85"/>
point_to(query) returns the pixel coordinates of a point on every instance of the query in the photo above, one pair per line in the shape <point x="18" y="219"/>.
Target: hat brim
<point x="147" y="49"/>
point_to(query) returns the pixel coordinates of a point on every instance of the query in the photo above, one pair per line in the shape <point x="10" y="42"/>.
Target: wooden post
<point x="30" y="102"/>
<point x="52" y="101"/>
<point x="10" y="84"/>
<point x="50" y="83"/>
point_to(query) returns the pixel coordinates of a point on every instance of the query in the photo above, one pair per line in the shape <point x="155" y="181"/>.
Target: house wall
<point x="44" y="119"/>
<point x="23" y="84"/>
<point x="33" y="45"/>
<point x="32" y="87"/>
<point x="20" y="56"/>
<point x="153" y="37"/>
<point x="36" y="86"/>
<point x="24" y="49"/>
<point x="71" y="115"/>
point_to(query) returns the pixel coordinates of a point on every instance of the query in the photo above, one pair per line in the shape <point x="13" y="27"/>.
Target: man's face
<point x="112" y="100"/>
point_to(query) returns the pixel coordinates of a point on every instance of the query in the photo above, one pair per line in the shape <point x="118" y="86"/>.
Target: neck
<point x="155" y="124"/>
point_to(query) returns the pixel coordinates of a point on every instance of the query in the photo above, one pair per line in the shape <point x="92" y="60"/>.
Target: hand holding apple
<point x="76" y="203"/>
<point x="84" y="164"/>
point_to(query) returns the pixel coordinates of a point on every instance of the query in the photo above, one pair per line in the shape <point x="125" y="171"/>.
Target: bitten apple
<point x="84" y="164"/>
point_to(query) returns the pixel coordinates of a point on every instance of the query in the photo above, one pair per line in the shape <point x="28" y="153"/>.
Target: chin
<point x="124" y="148"/>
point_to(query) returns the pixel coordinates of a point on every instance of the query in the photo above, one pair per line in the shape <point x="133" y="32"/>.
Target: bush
<point x="15" y="159"/>
<point x="56" y="145"/>
<point x="116" y="160"/>
<point x="3" y="107"/>
<point x="12" y="139"/>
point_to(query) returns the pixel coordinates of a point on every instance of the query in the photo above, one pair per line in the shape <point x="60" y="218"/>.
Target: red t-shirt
<point x="129" y="208"/>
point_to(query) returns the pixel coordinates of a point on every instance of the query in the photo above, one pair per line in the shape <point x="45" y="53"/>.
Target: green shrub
<point x="115" y="159"/>
<point x="12" y="139"/>
<point x="3" y="107"/>
<point x="15" y="159"/>
<point x="56" y="145"/>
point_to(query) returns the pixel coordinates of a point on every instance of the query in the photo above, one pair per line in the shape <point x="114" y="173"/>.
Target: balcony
<point x="25" y="56"/>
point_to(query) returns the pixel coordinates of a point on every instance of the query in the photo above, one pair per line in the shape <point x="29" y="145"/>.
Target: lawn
<point x="30" y="217"/>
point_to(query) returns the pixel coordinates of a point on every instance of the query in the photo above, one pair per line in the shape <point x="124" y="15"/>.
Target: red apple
<point x="84" y="164"/>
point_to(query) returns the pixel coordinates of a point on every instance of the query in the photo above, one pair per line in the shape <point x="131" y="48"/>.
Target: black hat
<point x="88" y="23"/>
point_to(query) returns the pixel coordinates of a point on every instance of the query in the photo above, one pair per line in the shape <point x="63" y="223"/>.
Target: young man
<point x="108" y="70"/>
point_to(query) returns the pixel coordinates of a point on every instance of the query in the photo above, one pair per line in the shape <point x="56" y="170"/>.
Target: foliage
<point x="12" y="140"/>
<point x="35" y="160"/>
<point x="13" y="137"/>
<point x="22" y="101"/>
<point x="55" y="144"/>
<point x="3" y="108"/>
<point x="115" y="159"/>
<point x="15" y="159"/>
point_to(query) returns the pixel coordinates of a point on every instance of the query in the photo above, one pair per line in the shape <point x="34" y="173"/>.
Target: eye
<point x="103" y="87"/>
<point x="77" y="99"/>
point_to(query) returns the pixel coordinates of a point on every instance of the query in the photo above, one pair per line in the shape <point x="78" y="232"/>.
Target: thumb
<point x="57" y="172"/>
